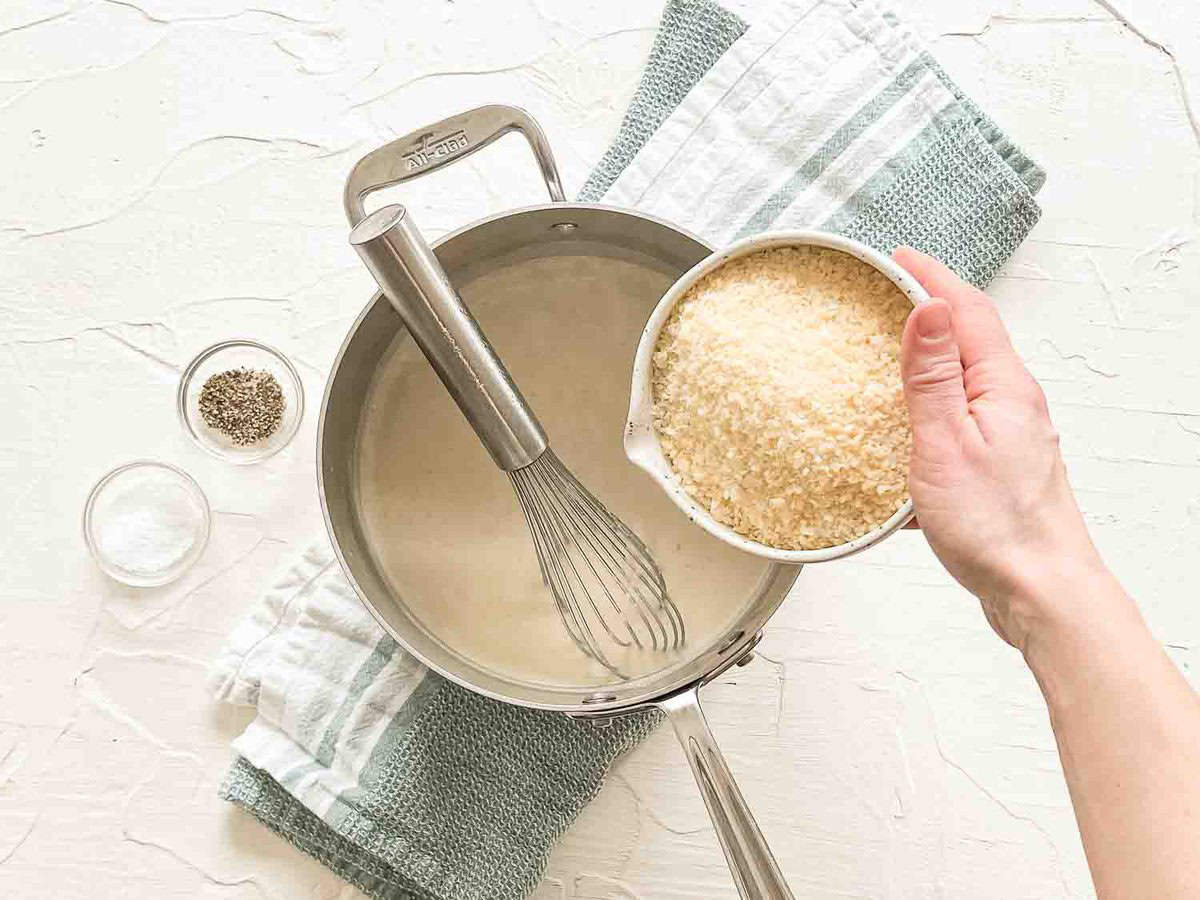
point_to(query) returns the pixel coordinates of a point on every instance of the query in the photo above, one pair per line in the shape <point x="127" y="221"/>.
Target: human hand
<point x="986" y="476"/>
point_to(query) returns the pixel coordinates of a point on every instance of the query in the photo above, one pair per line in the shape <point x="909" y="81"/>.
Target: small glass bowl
<point x="110" y="501"/>
<point x="239" y="355"/>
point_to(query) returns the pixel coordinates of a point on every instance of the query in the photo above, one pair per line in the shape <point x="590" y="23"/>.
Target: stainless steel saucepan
<point x="546" y="235"/>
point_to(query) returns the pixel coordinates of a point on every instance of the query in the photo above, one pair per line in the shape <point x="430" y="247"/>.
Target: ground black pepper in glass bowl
<point x="241" y="400"/>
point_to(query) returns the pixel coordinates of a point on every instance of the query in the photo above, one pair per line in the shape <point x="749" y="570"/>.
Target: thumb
<point x="933" y="376"/>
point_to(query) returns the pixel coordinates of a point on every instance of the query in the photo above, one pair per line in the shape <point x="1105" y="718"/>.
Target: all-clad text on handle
<point x="431" y="147"/>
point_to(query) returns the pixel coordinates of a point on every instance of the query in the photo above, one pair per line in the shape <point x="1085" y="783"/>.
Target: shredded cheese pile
<point x="778" y="400"/>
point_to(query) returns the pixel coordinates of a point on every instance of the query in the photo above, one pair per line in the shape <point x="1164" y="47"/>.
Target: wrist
<point x="1070" y="605"/>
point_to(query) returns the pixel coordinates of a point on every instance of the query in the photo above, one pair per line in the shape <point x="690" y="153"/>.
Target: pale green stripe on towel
<point x="692" y="36"/>
<point x="367" y="673"/>
<point x="812" y="168"/>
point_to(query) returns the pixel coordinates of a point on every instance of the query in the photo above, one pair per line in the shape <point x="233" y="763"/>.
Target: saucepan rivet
<point x="564" y="227"/>
<point x="731" y="640"/>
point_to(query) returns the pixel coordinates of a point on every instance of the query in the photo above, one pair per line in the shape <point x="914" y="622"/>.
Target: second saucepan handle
<point x="751" y="862"/>
<point x="433" y="146"/>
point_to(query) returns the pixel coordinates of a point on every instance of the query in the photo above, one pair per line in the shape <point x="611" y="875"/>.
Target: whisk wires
<point x="605" y="584"/>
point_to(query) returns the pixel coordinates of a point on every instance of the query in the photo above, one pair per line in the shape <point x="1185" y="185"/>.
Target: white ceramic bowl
<point x="641" y="441"/>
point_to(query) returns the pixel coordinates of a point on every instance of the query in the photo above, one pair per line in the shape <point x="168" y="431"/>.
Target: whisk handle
<point x="415" y="283"/>
<point x="751" y="862"/>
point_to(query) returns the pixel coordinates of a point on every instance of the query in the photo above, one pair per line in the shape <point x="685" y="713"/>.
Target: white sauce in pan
<point x="442" y="520"/>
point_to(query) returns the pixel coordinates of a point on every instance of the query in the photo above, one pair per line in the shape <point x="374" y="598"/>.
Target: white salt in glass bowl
<point x="239" y="354"/>
<point x="134" y="499"/>
<point x="642" y="446"/>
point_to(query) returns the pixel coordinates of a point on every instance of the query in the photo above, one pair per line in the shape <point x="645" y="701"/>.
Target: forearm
<point x="1128" y="731"/>
<point x="992" y="495"/>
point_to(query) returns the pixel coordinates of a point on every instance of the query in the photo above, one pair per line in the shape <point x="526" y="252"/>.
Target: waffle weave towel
<point x="816" y="113"/>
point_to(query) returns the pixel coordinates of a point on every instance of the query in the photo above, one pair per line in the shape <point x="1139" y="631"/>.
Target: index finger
<point x="980" y="333"/>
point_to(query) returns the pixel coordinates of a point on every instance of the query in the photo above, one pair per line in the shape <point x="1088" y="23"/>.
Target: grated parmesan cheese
<point x="778" y="400"/>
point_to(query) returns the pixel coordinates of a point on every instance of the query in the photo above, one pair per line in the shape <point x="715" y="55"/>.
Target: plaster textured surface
<point x="172" y="176"/>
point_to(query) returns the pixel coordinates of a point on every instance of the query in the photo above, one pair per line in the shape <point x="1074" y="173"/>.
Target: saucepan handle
<point x="754" y="869"/>
<point x="434" y="146"/>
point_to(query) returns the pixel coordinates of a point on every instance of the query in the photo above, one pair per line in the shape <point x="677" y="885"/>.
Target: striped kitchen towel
<point x="403" y="783"/>
<point x="819" y="113"/>
<point x="822" y="114"/>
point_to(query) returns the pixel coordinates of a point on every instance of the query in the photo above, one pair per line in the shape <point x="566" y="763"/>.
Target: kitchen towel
<point x="822" y="113"/>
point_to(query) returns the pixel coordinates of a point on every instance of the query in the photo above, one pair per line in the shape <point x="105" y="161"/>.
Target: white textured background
<point x="170" y="175"/>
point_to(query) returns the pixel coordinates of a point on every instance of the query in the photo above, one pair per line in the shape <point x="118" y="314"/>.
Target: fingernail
<point x="933" y="320"/>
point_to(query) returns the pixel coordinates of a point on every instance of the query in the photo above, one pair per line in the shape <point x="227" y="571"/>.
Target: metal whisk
<point x="606" y="586"/>
<point x="603" y="578"/>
